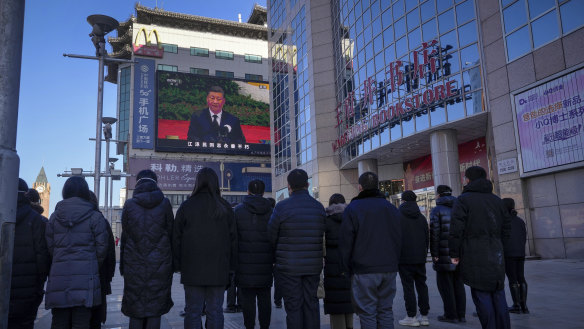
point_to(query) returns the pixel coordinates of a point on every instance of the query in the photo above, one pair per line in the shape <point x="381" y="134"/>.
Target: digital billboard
<point x="204" y="114"/>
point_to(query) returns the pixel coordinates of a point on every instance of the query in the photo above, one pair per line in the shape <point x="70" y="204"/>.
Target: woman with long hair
<point x="77" y="239"/>
<point x="205" y="250"/>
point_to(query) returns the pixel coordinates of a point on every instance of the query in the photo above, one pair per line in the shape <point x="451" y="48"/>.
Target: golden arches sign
<point x="147" y="49"/>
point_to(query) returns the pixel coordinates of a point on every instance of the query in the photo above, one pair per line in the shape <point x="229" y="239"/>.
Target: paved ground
<point x="556" y="297"/>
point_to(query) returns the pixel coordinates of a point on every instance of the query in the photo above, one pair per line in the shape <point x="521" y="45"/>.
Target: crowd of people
<point x="360" y="246"/>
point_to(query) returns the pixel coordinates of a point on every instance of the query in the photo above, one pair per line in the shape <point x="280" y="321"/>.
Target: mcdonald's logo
<point x="147" y="48"/>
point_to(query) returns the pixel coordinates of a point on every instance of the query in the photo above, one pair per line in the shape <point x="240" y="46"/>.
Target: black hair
<point x="475" y="172"/>
<point x="509" y="203"/>
<point x="76" y="186"/>
<point x="22" y="186"/>
<point x="409" y="195"/>
<point x="216" y="89"/>
<point x="256" y="187"/>
<point x="147" y="173"/>
<point x="336" y="198"/>
<point x="33" y="195"/>
<point x="208" y="182"/>
<point x="443" y="190"/>
<point x="297" y="179"/>
<point x="369" y="181"/>
<point x="272" y="202"/>
<point x="93" y="199"/>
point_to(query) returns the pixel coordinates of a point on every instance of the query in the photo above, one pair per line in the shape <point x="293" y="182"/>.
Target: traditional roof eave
<point x="258" y="15"/>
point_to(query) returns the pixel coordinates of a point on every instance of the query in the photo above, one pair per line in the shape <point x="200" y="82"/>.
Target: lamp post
<point x="112" y="170"/>
<point x="107" y="135"/>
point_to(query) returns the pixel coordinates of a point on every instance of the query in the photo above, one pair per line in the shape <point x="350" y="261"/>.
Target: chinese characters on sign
<point x="550" y="120"/>
<point x="143" y="123"/>
<point x="507" y="166"/>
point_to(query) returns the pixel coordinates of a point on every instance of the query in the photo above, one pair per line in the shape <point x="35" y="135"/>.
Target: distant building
<point x="179" y="56"/>
<point x="41" y="184"/>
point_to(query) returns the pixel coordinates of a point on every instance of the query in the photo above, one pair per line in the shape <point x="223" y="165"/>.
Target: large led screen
<point x="203" y="114"/>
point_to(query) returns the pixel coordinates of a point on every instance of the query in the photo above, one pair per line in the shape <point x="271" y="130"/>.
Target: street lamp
<point x="107" y="135"/>
<point x="112" y="177"/>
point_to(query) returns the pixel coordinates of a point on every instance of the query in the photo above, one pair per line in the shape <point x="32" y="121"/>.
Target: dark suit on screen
<point x="202" y="128"/>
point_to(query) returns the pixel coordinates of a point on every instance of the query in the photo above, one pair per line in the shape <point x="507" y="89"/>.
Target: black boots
<point x="516" y="296"/>
<point x="523" y="296"/>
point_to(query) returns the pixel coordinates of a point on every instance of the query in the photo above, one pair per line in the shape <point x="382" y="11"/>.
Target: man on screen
<point x="213" y="124"/>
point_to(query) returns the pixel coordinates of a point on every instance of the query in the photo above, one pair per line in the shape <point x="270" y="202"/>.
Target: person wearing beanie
<point x="35" y="200"/>
<point x="30" y="263"/>
<point x="480" y="226"/>
<point x="412" y="261"/>
<point x="146" y="259"/>
<point x="515" y="260"/>
<point x="448" y="278"/>
<point x="296" y="229"/>
<point x="370" y="242"/>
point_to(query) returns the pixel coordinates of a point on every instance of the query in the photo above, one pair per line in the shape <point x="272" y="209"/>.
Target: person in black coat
<point x="106" y="275"/>
<point x="35" y="200"/>
<point x="412" y="261"/>
<point x="205" y="250"/>
<point x="296" y="231"/>
<point x="479" y="227"/>
<point x="255" y="255"/>
<point x="77" y="240"/>
<point x="146" y="259"/>
<point x="448" y="277"/>
<point x="515" y="260"/>
<point x="337" y="287"/>
<point x="30" y="263"/>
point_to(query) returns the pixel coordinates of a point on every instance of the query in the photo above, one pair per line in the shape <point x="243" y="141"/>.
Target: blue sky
<point x="58" y="95"/>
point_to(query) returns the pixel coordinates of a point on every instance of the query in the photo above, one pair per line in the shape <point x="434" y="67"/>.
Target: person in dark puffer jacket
<point x="255" y="255"/>
<point x="106" y="274"/>
<point x="337" y="287"/>
<point x="296" y="231"/>
<point x="448" y="277"/>
<point x="77" y="240"/>
<point x="412" y="261"/>
<point x="35" y="200"/>
<point x="480" y="226"/>
<point x="515" y="260"/>
<point x="146" y="253"/>
<point x="30" y="263"/>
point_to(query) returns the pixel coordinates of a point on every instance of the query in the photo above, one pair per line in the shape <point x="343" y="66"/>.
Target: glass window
<point x="449" y="39"/>
<point x="465" y="12"/>
<point x="469" y="56"/>
<point x="222" y="54"/>
<point x="473" y="103"/>
<point x="518" y="43"/>
<point x="168" y="48"/>
<point x="253" y="58"/>
<point x="514" y="16"/>
<point x="224" y="74"/>
<point x="400" y="28"/>
<point x="204" y="52"/>
<point x="467" y="33"/>
<point x="408" y="125"/>
<point x="437" y="114"/>
<point x="451" y="63"/>
<point x="386" y="18"/>
<point x="422" y="120"/>
<point x="253" y="77"/>
<point x="572" y="16"/>
<point x="388" y="36"/>
<point x="411" y="4"/>
<point x="378" y="44"/>
<point x="455" y="110"/>
<point x="398" y="9"/>
<point x="195" y="70"/>
<point x="538" y="7"/>
<point x="427" y="10"/>
<point x="414" y="38"/>
<point x="164" y="67"/>
<point x="443" y="5"/>
<point x="413" y="19"/>
<point x="506" y="2"/>
<point x="545" y="29"/>
<point x="429" y="30"/>
<point x="401" y="46"/>
<point x="446" y="21"/>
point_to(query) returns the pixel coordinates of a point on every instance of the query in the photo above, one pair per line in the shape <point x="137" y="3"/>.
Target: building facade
<point x="178" y="57"/>
<point x="418" y="91"/>
<point x="41" y="184"/>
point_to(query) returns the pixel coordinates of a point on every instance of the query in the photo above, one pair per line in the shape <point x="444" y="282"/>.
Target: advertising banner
<point x="549" y="123"/>
<point x="203" y="114"/>
<point x="143" y="111"/>
<point x="179" y="175"/>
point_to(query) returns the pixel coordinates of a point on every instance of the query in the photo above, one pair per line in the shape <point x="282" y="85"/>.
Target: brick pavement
<point x="555" y="300"/>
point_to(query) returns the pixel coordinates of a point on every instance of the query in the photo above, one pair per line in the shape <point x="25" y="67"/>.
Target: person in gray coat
<point x="77" y="241"/>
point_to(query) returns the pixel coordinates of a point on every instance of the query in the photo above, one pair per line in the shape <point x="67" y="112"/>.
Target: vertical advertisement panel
<point x="550" y="119"/>
<point x="144" y="90"/>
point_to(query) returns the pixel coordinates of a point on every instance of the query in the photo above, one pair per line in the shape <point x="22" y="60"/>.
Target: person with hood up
<point x="448" y="278"/>
<point x="412" y="261"/>
<point x="515" y="260"/>
<point x="77" y="240"/>
<point x="479" y="227"/>
<point x="337" y="287"/>
<point x="35" y="200"/>
<point x="255" y="255"/>
<point x="30" y="263"/>
<point x="205" y="250"/>
<point x="146" y="253"/>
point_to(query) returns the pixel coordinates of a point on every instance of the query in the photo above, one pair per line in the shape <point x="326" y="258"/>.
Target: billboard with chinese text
<point x="550" y="119"/>
<point x="180" y="175"/>
<point x="143" y="110"/>
<point x="203" y="114"/>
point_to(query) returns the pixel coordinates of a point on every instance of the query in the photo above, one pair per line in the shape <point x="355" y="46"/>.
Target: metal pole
<point x="106" y="198"/>
<point x="11" y="27"/>
<point x="98" y="128"/>
<point x="111" y="204"/>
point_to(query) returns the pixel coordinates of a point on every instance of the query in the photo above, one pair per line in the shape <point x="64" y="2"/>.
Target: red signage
<point x="147" y="49"/>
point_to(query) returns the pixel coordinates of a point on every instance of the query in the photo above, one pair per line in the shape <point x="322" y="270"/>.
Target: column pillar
<point x="367" y="165"/>
<point x="445" y="164"/>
